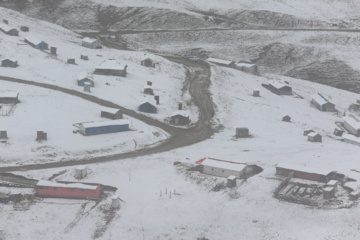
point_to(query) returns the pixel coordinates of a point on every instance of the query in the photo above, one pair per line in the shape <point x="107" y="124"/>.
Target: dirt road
<point x="198" y="75"/>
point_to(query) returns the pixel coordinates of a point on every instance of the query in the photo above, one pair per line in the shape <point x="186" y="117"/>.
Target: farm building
<point x="242" y="132"/>
<point x="148" y="106"/>
<point x="247" y="67"/>
<point x="67" y="190"/>
<point x="286" y="118"/>
<point x="180" y="117"/>
<point x="352" y="124"/>
<point x="9" y="97"/>
<point x="279" y="88"/>
<point x="9" y="30"/>
<point x="147" y="62"/>
<point x="91" y="43"/>
<point x="9" y="63"/>
<point x="35" y="43"/>
<point x="112" y="113"/>
<point x="256" y="92"/>
<point x="24" y="28"/>
<point x="221" y="62"/>
<point x="314" y="137"/>
<point x="322" y="103"/>
<point x="223" y="168"/>
<point x="94" y="128"/>
<point x="303" y="172"/>
<point x="85" y="77"/>
<point x="148" y="90"/>
<point x="111" y="67"/>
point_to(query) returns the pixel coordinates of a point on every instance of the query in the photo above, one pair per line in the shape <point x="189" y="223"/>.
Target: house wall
<point x="8" y="63"/>
<point x="297" y="174"/>
<point x="106" y="129"/>
<point x="179" y="120"/>
<point x="68" y="192"/>
<point x="7" y="100"/>
<point x="112" y="72"/>
<point x="329" y="107"/>
<point x="83" y="81"/>
<point x="351" y="129"/>
<point x="222" y="172"/>
<point x="147" y="107"/>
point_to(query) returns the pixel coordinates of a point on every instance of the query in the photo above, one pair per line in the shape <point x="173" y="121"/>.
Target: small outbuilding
<point x="111" y="67"/>
<point x="352" y="124"/>
<point x="322" y="103"/>
<point x="112" y="113"/>
<point x="91" y="43"/>
<point x="242" y="132"/>
<point x="147" y="62"/>
<point x="148" y="90"/>
<point x="328" y="193"/>
<point x="53" y="50"/>
<point x="256" y="92"/>
<point x="3" y="134"/>
<point x="24" y="28"/>
<point x="84" y="77"/>
<point x="314" y="137"/>
<point x="9" y="98"/>
<point x="286" y="118"/>
<point x="84" y="57"/>
<point x="94" y="128"/>
<point x="80" y="172"/>
<point x="231" y="181"/>
<point x="70" y="61"/>
<point x="279" y="88"/>
<point x="115" y="202"/>
<point x="41" y="136"/>
<point x="338" y="132"/>
<point x="36" y="43"/>
<point x="180" y="117"/>
<point x="8" y="30"/>
<point x="148" y="106"/>
<point x="9" y="63"/>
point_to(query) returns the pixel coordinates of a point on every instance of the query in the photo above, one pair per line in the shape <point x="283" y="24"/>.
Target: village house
<point x="148" y="90"/>
<point x="352" y="124"/>
<point x="9" y="30"/>
<point x="221" y="62"/>
<point x="9" y="97"/>
<point x="223" y="168"/>
<point x="91" y="43"/>
<point x="180" y="117"/>
<point x="147" y="62"/>
<point x="323" y="104"/>
<point x="148" y="105"/>
<point x="111" y="67"/>
<point x="247" y="67"/>
<point x="279" y="88"/>
<point x="307" y="173"/>
<point x="9" y="63"/>
<point x="46" y="188"/>
<point x="102" y="127"/>
<point x="84" y="77"/>
<point x="314" y="137"/>
<point x="35" y="43"/>
<point x="112" y="113"/>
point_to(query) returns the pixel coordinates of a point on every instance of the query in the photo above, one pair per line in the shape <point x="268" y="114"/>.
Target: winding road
<point x="198" y="75"/>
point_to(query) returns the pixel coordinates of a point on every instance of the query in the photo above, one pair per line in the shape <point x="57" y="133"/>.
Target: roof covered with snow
<point x="89" y="40"/>
<point x="9" y="94"/>
<point x="83" y="75"/>
<point x="32" y="40"/>
<point x="229" y="165"/>
<point x="241" y="64"/>
<point x="304" y="169"/>
<point x="319" y="99"/>
<point x="149" y="99"/>
<point x="45" y="183"/>
<point x="110" y="110"/>
<point x="111" y="64"/>
<point x="277" y="84"/>
<point x="5" y="27"/>
<point x="352" y="120"/>
<point x="313" y="134"/>
<point x="10" y="59"/>
<point x="105" y="123"/>
<point x="181" y="113"/>
<point x="219" y="61"/>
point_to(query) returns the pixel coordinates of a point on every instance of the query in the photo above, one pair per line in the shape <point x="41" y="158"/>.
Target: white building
<point x="91" y="43"/>
<point x="352" y="124"/>
<point x="223" y="168"/>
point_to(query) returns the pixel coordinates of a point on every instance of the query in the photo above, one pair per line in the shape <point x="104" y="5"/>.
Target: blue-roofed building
<point x="94" y="128"/>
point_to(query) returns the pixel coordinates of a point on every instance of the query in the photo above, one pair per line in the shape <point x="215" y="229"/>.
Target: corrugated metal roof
<point x="304" y="169"/>
<point x="45" y="183"/>
<point x="106" y="123"/>
<point x="229" y="165"/>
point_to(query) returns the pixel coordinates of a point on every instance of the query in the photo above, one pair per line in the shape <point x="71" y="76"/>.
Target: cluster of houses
<point x="244" y="66"/>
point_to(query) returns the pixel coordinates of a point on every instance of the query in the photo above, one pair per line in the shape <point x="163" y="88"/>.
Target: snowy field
<point x="55" y="113"/>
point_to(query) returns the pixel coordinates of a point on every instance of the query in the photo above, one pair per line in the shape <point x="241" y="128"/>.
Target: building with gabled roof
<point x="112" y="113"/>
<point x="279" y="88"/>
<point x="8" y="30"/>
<point x="36" y="43"/>
<point x="148" y="105"/>
<point x="322" y="103"/>
<point x="180" y="117"/>
<point x="9" y="62"/>
<point x="352" y="124"/>
<point x="91" y="43"/>
<point x="314" y="137"/>
<point x="84" y="77"/>
<point x="9" y="97"/>
<point x="111" y="67"/>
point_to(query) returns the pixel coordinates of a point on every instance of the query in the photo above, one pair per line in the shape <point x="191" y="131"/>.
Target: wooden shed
<point x="8" y="30"/>
<point x="180" y="117"/>
<point x="314" y="137"/>
<point x="242" y="132"/>
<point x="111" y="67"/>
<point x="256" y="92"/>
<point x="286" y="118"/>
<point x="352" y="124"/>
<point x="24" y="28"/>
<point x="279" y="88"/>
<point x="148" y="106"/>
<point x="67" y="190"/>
<point x="9" y="98"/>
<point x="8" y="62"/>
<point x="322" y="103"/>
<point x="112" y="113"/>
<point x="102" y="127"/>
<point x="147" y="62"/>
<point x="223" y="168"/>
<point x="91" y="43"/>
<point x="307" y="173"/>
<point x="84" y="77"/>
<point x="148" y="90"/>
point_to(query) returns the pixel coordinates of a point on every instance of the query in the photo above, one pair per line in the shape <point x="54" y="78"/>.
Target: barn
<point x="112" y="113"/>
<point x="247" y="67"/>
<point x="279" y="88"/>
<point x="91" y="43"/>
<point x="148" y="106"/>
<point x="180" y="117"/>
<point x="9" y="63"/>
<point x="323" y="104"/>
<point x="84" y="77"/>
<point x="352" y="124"/>
<point x="303" y="172"/>
<point x="9" y="98"/>
<point x="94" y="128"/>
<point x="148" y="90"/>
<point x="223" y="168"/>
<point x="46" y="188"/>
<point x="111" y="67"/>
<point x="221" y="62"/>
<point x="35" y="43"/>
<point x="147" y="62"/>
<point x="9" y="30"/>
